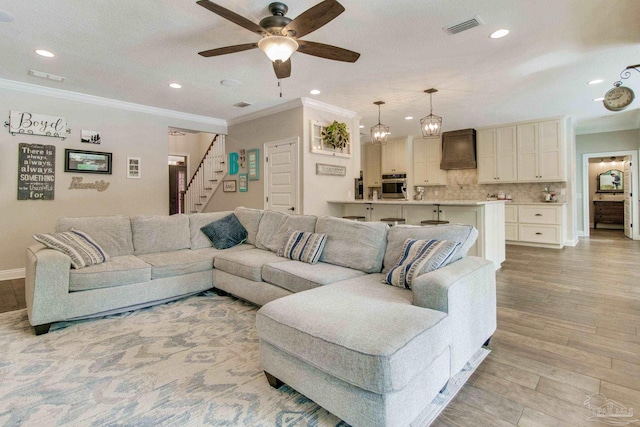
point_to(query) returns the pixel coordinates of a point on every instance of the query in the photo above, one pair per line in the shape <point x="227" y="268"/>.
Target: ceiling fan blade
<point x="313" y="18"/>
<point x="327" y="51"/>
<point x="282" y="69"/>
<point x="233" y="17"/>
<point x="228" y="49"/>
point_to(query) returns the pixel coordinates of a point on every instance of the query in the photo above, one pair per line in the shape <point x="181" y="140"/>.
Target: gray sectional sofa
<point x="371" y="353"/>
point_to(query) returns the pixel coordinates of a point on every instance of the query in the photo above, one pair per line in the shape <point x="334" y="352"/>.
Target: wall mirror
<point x="611" y="181"/>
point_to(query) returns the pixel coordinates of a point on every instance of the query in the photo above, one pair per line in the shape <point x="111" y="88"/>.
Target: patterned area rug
<point x="191" y="362"/>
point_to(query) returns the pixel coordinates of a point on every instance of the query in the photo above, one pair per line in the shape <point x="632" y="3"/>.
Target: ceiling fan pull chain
<point x="280" y="87"/>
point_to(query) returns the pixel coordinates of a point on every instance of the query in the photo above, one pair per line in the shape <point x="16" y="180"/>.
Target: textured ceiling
<point x="131" y="50"/>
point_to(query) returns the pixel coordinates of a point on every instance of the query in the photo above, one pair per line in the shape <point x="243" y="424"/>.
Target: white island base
<point x="486" y="216"/>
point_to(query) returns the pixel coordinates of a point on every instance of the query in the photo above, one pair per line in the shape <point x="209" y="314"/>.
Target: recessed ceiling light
<point x="230" y="82"/>
<point x="314" y="92"/>
<point x="44" y="53"/>
<point x="499" y="34"/>
<point x="5" y="16"/>
<point x="175" y="85"/>
<point x="598" y="99"/>
<point x="595" y="82"/>
<point x="361" y="126"/>
<point x="409" y="118"/>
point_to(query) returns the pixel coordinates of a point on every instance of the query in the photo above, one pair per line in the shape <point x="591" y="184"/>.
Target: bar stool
<point x="393" y="221"/>
<point x="354" y="217"/>
<point x="436" y="221"/>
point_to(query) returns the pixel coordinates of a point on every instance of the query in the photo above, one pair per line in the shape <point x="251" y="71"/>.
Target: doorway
<point x="281" y="184"/>
<point x="177" y="183"/>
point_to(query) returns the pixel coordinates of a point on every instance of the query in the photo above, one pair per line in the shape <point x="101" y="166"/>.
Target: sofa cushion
<point x="274" y="225"/>
<point x="76" y="244"/>
<point x="465" y="234"/>
<point x="177" y="263"/>
<point x="420" y="256"/>
<point x="212" y="252"/>
<point x="119" y="271"/>
<point x="353" y="244"/>
<point x="160" y="233"/>
<point x="366" y="334"/>
<point x="297" y="276"/>
<point x="247" y="264"/>
<point x="112" y="233"/>
<point x="250" y="220"/>
<point x="226" y="232"/>
<point x="303" y="246"/>
<point x="199" y="220"/>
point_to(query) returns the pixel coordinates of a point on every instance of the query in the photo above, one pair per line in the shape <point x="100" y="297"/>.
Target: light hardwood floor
<point x="568" y="327"/>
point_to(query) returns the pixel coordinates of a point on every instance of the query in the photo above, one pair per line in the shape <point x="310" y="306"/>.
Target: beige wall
<point x="124" y="133"/>
<point x="194" y="145"/>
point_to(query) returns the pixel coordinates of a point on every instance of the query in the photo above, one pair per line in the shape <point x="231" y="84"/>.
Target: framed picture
<point x="87" y="161"/>
<point x="133" y="167"/>
<point x="229" y="186"/>
<point x="253" y="163"/>
<point x="242" y="182"/>
<point x="90" y="137"/>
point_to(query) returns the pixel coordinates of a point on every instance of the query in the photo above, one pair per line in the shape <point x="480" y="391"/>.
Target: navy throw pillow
<point x="226" y="232"/>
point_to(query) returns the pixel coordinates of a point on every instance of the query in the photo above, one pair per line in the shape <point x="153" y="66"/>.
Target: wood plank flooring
<point x="568" y="327"/>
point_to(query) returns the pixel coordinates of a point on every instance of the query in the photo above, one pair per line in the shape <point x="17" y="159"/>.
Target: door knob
<point x="291" y="208"/>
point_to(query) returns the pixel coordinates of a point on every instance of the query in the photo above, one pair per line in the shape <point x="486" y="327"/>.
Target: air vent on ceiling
<point x="241" y="104"/>
<point x="463" y="26"/>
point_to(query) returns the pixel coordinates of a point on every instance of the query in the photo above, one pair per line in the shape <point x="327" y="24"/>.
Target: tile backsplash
<point x="463" y="185"/>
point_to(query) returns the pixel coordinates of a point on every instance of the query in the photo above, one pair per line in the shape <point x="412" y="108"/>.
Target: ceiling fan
<point x="281" y="35"/>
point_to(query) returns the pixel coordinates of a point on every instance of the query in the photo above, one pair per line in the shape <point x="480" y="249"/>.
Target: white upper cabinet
<point x="497" y="158"/>
<point x="540" y="151"/>
<point x="394" y="157"/>
<point x="427" y="154"/>
<point x="372" y="174"/>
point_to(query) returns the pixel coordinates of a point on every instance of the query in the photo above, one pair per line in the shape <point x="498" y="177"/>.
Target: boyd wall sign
<point x="37" y="124"/>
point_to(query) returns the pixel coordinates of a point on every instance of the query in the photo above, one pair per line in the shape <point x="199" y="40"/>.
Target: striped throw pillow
<point x="302" y="246"/>
<point x="81" y="248"/>
<point x="418" y="257"/>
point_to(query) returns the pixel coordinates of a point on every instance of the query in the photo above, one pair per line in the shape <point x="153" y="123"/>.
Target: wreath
<point x="335" y="135"/>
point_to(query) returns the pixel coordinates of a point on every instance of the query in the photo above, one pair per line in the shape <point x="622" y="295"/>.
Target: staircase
<point x="208" y="177"/>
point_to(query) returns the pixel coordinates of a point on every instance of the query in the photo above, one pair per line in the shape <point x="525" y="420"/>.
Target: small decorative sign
<point x="242" y="183"/>
<point x="334" y="170"/>
<point x="229" y="186"/>
<point x="36" y="171"/>
<point x="90" y="137"/>
<point x="254" y="167"/>
<point x="77" y="184"/>
<point x="37" y="124"/>
<point x="133" y="167"/>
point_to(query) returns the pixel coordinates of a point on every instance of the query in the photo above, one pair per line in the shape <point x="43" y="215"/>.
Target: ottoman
<point x="358" y="348"/>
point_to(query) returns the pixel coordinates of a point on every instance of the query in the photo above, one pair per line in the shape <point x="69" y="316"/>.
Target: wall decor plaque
<point x="335" y="170"/>
<point x="22" y="122"/>
<point x="36" y="171"/>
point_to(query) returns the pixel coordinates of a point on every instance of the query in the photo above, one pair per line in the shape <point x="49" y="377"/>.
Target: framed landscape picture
<point x="81" y="161"/>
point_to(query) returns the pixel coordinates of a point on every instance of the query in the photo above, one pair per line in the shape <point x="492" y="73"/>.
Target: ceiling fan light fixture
<point x="431" y="125"/>
<point x="278" y="48"/>
<point x="379" y="132"/>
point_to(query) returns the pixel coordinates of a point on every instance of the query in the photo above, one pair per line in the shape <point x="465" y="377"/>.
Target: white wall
<point x="125" y="132"/>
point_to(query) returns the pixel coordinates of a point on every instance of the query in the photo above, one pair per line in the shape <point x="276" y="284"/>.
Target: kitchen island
<point x="487" y="216"/>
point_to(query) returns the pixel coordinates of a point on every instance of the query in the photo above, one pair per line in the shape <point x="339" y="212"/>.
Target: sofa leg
<point x="486" y="343"/>
<point x="273" y="381"/>
<point x="42" y="329"/>
<point x="220" y="292"/>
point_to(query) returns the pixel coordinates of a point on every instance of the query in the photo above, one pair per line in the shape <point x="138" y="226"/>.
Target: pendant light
<point x="431" y="124"/>
<point x="379" y="132"/>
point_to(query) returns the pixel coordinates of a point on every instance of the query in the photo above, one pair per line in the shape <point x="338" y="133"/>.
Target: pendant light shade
<point x="431" y="125"/>
<point x="379" y="132"/>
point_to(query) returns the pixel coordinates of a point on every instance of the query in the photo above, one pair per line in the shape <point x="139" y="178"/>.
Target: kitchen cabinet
<point x="394" y="157"/>
<point x="497" y="155"/>
<point x="372" y="174"/>
<point x="540" y="151"/>
<point x="536" y="224"/>
<point x="427" y="154"/>
<point x="358" y="209"/>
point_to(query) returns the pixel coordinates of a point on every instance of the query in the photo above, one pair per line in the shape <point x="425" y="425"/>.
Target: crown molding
<point x="107" y="102"/>
<point x="328" y="108"/>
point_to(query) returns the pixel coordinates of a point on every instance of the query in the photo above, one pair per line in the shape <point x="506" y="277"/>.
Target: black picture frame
<point x="83" y="161"/>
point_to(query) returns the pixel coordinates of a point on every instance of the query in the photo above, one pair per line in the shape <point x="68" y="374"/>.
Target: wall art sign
<point x="254" y="167"/>
<point x="87" y="161"/>
<point x="90" y="137"/>
<point x="242" y="183"/>
<point x="229" y="186"/>
<point x="21" y="122"/>
<point x="77" y="184"/>
<point x="36" y="171"/>
<point x="335" y="170"/>
<point x="133" y="167"/>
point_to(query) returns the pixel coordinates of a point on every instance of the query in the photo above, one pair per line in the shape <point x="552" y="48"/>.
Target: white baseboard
<point x="17" y="273"/>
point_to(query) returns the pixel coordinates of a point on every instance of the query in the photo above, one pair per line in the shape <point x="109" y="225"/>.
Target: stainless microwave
<point x="394" y="186"/>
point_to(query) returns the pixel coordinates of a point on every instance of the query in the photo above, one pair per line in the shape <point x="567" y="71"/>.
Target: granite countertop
<point x="422" y="202"/>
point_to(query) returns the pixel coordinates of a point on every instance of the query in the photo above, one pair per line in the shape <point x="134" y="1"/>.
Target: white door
<point x="281" y="176"/>
<point x="628" y="205"/>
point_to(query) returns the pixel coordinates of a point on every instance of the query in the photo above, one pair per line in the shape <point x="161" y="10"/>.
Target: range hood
<point x="459" y="150"/>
